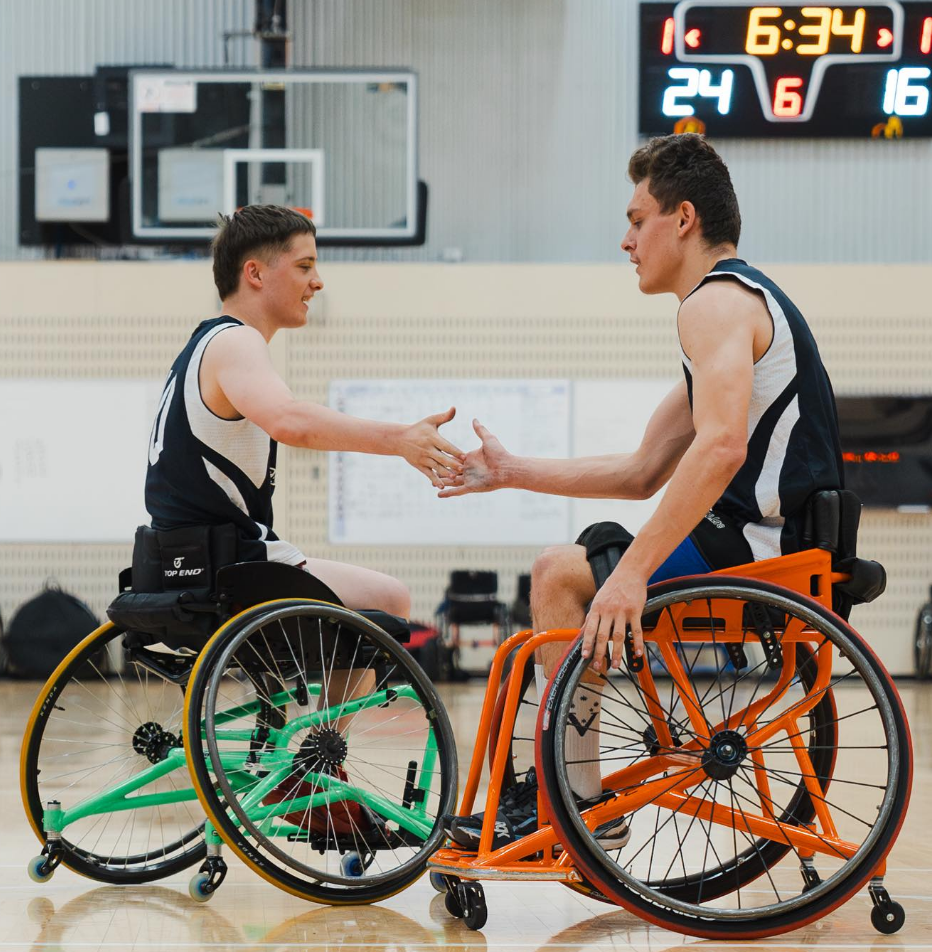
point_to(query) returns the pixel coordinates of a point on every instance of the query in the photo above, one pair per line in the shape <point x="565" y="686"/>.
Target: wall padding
<point x="79" y="320"/>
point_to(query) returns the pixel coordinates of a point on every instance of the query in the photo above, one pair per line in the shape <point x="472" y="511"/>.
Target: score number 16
<point x="696" y="82"/>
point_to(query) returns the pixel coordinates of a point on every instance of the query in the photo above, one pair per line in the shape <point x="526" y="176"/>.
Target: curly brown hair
<point x="256" y="231"/>
<point x="685" y="168"/>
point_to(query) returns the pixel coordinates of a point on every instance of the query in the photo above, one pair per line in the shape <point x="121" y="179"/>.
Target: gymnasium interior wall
<point x="81" y="320"/>
<point x="527" y="116"/>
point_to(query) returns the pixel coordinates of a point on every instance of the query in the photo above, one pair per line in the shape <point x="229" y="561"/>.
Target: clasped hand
<point x="429" y="453"/>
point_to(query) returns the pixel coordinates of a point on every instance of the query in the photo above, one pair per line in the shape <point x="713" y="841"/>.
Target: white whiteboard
<point x="377" y="500"/>
<point x="73" y="459"/>
<point x="610" y="416"/>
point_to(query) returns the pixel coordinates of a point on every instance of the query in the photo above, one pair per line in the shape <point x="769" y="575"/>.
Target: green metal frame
<point x="278" y="762"/>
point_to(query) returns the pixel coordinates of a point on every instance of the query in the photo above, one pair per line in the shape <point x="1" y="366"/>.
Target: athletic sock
<point x="582" y="744"/>
<point x="541" y="680"/>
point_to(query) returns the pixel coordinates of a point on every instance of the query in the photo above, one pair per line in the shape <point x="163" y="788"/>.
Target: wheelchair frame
<point x="539" y="856"/>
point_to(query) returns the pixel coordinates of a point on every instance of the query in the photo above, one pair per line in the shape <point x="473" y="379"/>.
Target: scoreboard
<point x="736" y="69"/>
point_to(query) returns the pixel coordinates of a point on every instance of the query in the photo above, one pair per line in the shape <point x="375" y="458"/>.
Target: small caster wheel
<point x="436" y="881"/>
<point x="888" y="919"/>
<point x="475" y="913"/>
<point x="198" y="887"/>
<point x="38" y="869"/>
<point x="351" y="865"/>
<point x="452" y="903"/>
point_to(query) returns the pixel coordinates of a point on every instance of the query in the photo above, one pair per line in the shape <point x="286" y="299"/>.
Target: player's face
<point x="293" y="281"/>
<point x="651" y="241"/>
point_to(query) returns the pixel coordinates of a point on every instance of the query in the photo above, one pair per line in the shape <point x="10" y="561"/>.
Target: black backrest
<point x="832" y="521"/>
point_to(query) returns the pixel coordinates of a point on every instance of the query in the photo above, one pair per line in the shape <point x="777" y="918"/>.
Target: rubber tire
<point x="214" y="804"/>
<point x="578" y="847"/>
<point x="880" y="922"/>
<point x="196" y="888"/>
<point x="452" y="904"/>
<point x="437" y="883"/>
<point x="34" y="867"/>
<point x="476" y="913"/>
<point x="74" y="857"/>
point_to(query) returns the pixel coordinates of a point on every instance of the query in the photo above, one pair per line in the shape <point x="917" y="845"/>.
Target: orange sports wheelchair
<point x="758" y="753"/>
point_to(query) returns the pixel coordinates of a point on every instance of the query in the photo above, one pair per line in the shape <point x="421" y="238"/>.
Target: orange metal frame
<point x="536" y="857"/>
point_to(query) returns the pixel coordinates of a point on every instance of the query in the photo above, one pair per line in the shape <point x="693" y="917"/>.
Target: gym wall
<point x="527" y="118"/>
<point x="75" y="320"/>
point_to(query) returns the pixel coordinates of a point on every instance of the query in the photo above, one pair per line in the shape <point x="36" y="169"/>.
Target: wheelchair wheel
<point x="922" y="648"/>
<point x="760" y="796"/>
<point x="311" y="735"/>
<point x="94" y="738"/>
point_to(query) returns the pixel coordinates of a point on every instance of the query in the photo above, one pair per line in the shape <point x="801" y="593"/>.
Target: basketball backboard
<point x="205" y="142"/>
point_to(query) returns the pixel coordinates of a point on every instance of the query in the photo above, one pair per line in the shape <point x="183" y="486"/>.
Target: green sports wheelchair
<point x="315" y="745"/>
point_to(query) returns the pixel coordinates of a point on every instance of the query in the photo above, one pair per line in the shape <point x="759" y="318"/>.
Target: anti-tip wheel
<point x="888" y="919"/>
<point x="351" y="865"/>
<point x="452" y="903"/>
<point x="476" y="913"/>
<point x="197" y="887"/>
<point x="38" y="869"/>
<point x="436" y="881"/>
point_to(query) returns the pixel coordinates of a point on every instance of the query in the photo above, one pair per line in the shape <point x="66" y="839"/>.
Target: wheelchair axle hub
<point x="725" y="754"/>
<point x="154" y="742"/>
<point x="325" y="747"/>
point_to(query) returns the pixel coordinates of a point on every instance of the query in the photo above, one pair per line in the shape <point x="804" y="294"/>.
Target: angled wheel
<point x="312" y="735"/>
<point x="92" y="735"/>
<point x="731" y="781"/>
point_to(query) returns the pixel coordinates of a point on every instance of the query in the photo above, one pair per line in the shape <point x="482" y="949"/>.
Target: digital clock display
<point x="736" y="69"/>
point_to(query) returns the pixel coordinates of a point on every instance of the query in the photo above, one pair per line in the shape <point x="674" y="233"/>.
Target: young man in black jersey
<point x="741" y="443"/>
<point x="224" y="409"/>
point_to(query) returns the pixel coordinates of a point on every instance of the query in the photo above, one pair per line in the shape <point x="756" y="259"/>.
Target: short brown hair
<point x="262" y="231"/>
<point x="685" y="168"/>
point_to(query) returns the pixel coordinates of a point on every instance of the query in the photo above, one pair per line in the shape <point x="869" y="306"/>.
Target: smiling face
<point x="290" y="280"/>
<point x="653" y="241"/>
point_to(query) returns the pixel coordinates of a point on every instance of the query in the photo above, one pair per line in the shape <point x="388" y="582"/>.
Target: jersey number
<point x="157" y="439"/>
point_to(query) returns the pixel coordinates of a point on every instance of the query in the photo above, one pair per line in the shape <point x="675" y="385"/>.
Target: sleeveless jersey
<point x="793" y="445"/>
<point x="204" y="470"/>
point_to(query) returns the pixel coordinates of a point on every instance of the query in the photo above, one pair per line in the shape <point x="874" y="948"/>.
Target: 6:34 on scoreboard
<point x="731" y="68"/>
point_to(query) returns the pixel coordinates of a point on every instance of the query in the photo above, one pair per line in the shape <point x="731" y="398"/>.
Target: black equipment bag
<point x="42" y="631"/>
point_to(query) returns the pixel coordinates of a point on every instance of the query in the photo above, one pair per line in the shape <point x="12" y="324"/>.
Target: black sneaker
<point x="517" y="817"/>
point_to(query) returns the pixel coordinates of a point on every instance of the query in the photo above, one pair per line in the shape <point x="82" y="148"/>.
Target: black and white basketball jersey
<point x="793" y="446"/>
<point x="204" y="470"/>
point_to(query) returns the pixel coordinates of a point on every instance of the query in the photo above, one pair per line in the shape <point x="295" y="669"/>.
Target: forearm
<point x="313" y="426"/>
<point x="591" y="477"/>
<point x="704" y="473"/>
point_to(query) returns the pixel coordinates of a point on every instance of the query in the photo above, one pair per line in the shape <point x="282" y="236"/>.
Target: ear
<point x="252" y="273"/>
<point x="687" y="219"/>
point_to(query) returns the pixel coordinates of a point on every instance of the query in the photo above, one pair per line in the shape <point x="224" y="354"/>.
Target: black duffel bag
<point x="42" y="631"/>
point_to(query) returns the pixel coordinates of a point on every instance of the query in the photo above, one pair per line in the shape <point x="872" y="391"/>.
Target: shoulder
<point x="237" y="338"/>
<point x="721" y="307"/>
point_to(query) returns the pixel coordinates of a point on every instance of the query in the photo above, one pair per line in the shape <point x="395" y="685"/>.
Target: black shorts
<point x="716" y="543"/>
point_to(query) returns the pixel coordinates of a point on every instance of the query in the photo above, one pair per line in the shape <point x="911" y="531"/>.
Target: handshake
<point x="449" y="469"/>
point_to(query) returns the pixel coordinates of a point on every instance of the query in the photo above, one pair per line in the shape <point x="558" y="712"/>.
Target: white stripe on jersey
<point x="773" y="373"/>
<point x="227" y="485"/>
<point x="243" y="443"/>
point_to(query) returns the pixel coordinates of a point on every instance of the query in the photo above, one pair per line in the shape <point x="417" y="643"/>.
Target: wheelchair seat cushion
<point x="166" y="616"/>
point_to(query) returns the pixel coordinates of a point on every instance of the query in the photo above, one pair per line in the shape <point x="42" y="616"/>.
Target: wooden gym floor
<point x="70" y="912"/>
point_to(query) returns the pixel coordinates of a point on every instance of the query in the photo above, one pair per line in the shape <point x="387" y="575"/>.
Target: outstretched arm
<point x="238" y="360"/>
<point x="635" y="475"/>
